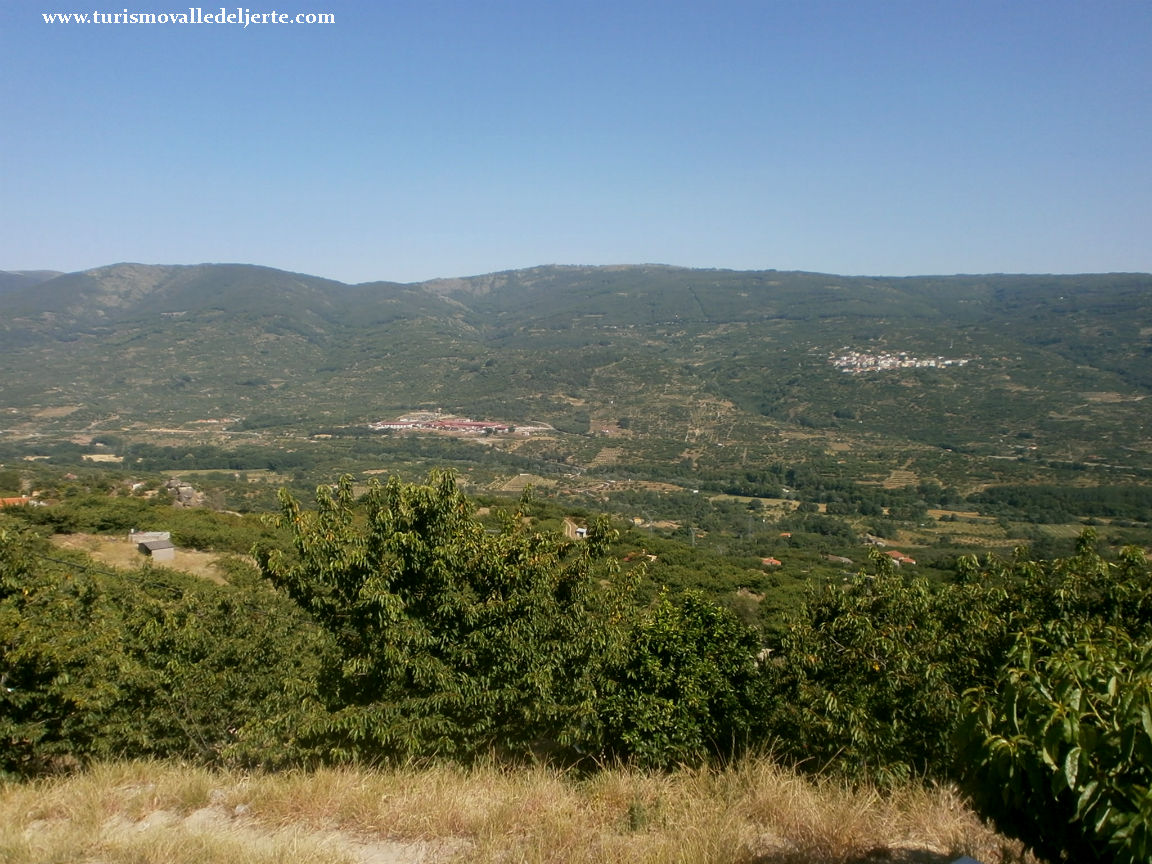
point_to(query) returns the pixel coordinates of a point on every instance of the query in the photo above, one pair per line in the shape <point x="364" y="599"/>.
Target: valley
<point x="746" y="415"/>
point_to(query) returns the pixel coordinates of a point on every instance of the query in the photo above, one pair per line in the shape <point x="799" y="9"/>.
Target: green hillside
<point x="695" y="378"/>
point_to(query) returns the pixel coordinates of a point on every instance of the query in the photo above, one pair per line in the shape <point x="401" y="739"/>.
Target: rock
<point x="184" y="493"/>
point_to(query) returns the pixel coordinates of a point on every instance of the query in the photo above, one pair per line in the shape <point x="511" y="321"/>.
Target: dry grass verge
<point x="752" y="813"/>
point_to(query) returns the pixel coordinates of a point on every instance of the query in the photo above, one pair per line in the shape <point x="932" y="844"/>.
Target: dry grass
<point x="141" y="814"/>
<point x="58" y="411"/>
<point x="118" y="552"/>
<point x="520" y="482"/>
<point x="753" y="813"/>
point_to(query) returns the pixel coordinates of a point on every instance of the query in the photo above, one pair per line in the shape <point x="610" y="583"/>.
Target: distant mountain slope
<point x="123" y="292"/>
<point x="10" y="279"/>
<point x="1064" y="360"/>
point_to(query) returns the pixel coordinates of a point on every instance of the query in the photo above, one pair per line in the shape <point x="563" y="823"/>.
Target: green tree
<point x="64" y="676"/>
<point x="1058" y="748"/>
<point x="451" y="640"/>
<point x="97" y="663"/>
<point x="686" y="685"/>
<point x="868" y="678"/>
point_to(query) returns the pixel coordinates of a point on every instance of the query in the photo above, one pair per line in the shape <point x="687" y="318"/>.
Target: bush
<point x="867" y="680"/>
<point x="686" y="687"/>
<point x="1059" y="750"/>
<point x="103" y="664"/>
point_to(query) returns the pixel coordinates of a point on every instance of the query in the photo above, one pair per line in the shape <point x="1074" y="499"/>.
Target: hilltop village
<point x="856" y="362"/>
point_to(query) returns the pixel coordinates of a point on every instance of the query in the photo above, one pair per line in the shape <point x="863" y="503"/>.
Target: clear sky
<point x="420" y="138"/>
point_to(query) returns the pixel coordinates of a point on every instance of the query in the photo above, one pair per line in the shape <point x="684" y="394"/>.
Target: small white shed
<point x="156" y="544"/>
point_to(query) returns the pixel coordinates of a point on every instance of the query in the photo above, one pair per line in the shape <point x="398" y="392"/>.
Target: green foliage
<point x="399" y="624"/>
<point x="15" y="566"/>
<point x="200" y="528"/>
<point x="191" y="527"/>
<point x="225" y="667"/>
<point x="867" y="679"/>
<point x="573" y="345"/>
<point x="103" y="664"/>
<point x="1059" y="750"/>
<point x="59" y="676"/>
<point x="686" y="686"/>
<point x="410" y="627"/>
<point x="97" y="513"/>
<point x="1084" y="589"/>
<point x="451" y="640"/>
<point x="454" y="639"/>
<point x="10" y="483"/>
<point x="1049" y="503"/>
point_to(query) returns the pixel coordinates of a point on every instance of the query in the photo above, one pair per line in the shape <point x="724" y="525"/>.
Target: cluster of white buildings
<point x="856" y="362"/>
<point x="454" y="424"/>
<point x="442" y="425"/>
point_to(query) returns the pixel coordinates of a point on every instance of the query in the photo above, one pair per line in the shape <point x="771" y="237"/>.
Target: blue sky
<point x="410" y="140"/>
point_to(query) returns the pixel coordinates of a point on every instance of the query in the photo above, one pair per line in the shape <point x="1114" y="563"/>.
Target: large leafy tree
<point x="451" y="638"/>
<point x="64" y="677"/>
<point x="1059" y="750"/>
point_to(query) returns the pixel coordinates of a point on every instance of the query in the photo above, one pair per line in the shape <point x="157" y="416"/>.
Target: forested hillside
<point x="961" y="412"/>
<point x="1046" y="367"/>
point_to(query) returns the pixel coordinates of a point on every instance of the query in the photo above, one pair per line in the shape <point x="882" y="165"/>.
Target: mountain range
<point x="1037" y="368"/>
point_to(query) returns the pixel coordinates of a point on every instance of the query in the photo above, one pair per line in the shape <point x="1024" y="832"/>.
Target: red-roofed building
<point x="900" y="558"/>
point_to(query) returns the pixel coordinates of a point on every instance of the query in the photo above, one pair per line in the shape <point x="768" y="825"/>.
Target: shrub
<point x="1058" y="751"/>
<point x="686" y="686"/>
<point x="101" y="664"/>
<point x="867" y="679"/>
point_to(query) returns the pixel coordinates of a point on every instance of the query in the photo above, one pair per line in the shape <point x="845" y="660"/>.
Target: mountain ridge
<point x="1065" y="359"/>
